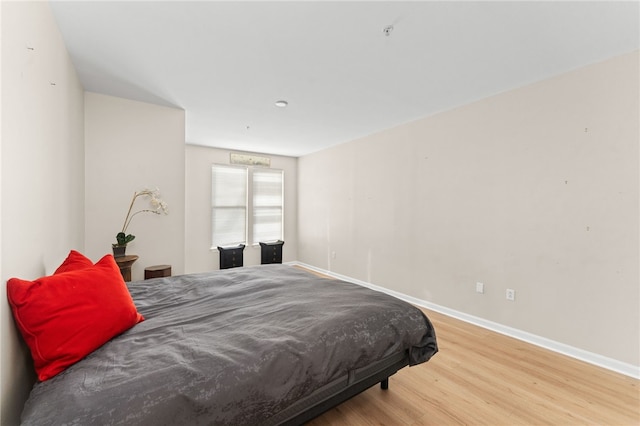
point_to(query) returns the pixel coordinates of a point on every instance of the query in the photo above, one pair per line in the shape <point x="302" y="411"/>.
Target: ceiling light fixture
<point x="387" y="30"/>
<point x="282" y="104"/>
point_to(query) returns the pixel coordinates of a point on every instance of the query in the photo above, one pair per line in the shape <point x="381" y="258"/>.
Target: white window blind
<point x="267" y="204"/>
<point x="229" y="205"/>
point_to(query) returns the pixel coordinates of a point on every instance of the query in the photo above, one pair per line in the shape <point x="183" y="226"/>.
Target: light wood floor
<point x="483" y="378"/>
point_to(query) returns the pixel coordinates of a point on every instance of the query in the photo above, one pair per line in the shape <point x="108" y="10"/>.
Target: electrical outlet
<point x="511" y="294"/>
<point x="333" y="254"/>
<point x="479" y="288"/>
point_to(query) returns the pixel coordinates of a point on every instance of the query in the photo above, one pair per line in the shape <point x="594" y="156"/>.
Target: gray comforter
<point x="230" y="347"/>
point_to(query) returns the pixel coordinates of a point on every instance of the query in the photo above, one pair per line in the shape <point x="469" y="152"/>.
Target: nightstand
<point x="231" y="257"/>
<point x="157" y="271"/>
<point x="271" y="252"/>
<point x="124" y="263"/>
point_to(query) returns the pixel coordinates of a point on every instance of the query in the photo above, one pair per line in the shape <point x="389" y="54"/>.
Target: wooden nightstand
<point x="157" y="271"/>
<point x="124" y="263"/>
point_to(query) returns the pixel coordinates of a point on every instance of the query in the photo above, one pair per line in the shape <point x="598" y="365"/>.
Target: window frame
<point x="249" y="209"/>
<point x="214" y="243"/>
<point x="252" y="209"/>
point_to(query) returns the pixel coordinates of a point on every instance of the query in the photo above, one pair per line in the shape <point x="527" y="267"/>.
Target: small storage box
<point x="271" y="252"/>
<point x="231" y="257"/>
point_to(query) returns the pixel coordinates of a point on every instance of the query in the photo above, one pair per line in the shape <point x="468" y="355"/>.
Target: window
<point x="229" y="205"/>
<point x="237" y="190"/>
<point x="267" y="205"/>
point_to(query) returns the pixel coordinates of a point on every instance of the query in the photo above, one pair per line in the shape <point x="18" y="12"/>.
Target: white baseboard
<point x="573" y="352"/>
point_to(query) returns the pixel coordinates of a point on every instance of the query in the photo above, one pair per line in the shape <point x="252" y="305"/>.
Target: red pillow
<point x="66" y="316"/>
<point x="73" y="262"/>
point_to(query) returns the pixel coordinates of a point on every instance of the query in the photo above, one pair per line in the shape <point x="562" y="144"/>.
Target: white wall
<point x="199" y="256"/>
<point x="3" y="306"/>
<point x="131" y="146"/>
<point x="535" y="189"/>
<point x="42" y="171"/>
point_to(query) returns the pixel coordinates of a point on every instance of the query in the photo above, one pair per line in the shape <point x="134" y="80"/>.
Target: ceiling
<point x="227" y="63"/>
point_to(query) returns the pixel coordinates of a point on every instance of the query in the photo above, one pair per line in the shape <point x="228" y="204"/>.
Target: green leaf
<point x="124" y="239"/>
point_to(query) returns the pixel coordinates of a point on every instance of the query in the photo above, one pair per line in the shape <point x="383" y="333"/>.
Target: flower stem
<point x="139" y="211"/>
<point x="126" y="219"/>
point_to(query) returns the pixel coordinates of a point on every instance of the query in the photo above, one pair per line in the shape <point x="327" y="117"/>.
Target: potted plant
<point x="158" y="207"/>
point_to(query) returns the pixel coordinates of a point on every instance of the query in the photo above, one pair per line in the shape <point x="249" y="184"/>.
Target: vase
<point x="118" y="250"/>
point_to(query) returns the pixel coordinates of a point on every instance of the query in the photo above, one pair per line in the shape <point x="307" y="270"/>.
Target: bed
<point x="268" y="345"/>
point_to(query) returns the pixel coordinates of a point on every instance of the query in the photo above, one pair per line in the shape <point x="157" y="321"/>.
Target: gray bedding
<point x="233" y="347"/>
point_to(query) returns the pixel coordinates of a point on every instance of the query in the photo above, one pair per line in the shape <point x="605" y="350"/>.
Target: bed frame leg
<point x="384" y="385"/>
